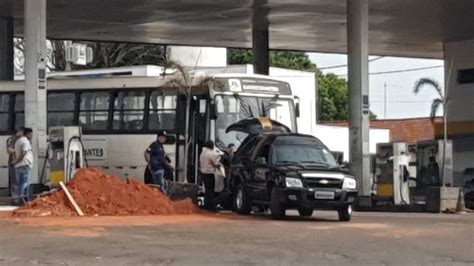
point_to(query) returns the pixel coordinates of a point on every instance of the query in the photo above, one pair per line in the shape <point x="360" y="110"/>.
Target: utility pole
<point x="385" y="100"/>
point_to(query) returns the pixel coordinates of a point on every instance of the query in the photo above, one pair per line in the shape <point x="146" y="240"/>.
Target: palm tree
<point x="442" y="100"/>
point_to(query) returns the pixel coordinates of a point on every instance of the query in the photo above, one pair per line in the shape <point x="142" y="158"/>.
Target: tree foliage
<point x="437" y="87"/>
<point x="333" y="93"/>
<point x="333" y="97"/>
<point x="283" y="59"/>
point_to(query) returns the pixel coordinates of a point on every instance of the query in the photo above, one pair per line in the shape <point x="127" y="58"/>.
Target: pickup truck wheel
<point x="242" y="201"/>
<point x="277" y="208"/>
<point x="345" y="213"/>
<point x="305" y="212"/>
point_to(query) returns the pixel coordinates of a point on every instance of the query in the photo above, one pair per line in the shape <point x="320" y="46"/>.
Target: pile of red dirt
<point x="97" y="193"/>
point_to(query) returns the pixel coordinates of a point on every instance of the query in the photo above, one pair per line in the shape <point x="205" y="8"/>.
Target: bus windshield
<point x="231" y="109"/>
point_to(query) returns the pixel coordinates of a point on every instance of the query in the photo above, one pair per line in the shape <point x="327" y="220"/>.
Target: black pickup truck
<point x="279" y="170"/>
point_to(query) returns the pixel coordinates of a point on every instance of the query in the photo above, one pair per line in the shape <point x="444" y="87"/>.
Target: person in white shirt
<point x="209" y="161"/>
<point x="23" y="162"/>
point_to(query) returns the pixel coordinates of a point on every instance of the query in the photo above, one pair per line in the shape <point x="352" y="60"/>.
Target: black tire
<point x="305" y="212"/>
<point x="345" y="213"/>
<point x="242" y="203"/>
<point x="469" y="200"/>
<point x="277" y="208"/>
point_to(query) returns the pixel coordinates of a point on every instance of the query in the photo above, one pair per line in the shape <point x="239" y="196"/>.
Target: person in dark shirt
<point x="11" y="158"/>
<point x="434" y="171"/>
<point x="157" y="163"/>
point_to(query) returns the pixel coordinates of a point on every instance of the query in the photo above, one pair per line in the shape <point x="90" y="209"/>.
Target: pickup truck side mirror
<point x="261" y="160"/>
<point x="345" y="165"/>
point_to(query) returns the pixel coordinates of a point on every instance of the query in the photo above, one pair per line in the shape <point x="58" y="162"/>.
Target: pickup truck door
<point x="260" y="172"/>
<point x="260" y="176"/>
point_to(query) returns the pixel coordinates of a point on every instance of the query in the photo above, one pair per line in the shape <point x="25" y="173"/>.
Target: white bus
<point x="120" y="111"/>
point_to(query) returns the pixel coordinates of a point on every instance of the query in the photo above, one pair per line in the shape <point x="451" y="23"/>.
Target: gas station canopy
<point x="414" y="28"/>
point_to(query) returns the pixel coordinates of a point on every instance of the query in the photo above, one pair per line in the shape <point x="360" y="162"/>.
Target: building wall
<point x="198" y="56"/>
<point x="336" y="138"/>
<point x="403" y="130"/>
<point x="460" y="56"/>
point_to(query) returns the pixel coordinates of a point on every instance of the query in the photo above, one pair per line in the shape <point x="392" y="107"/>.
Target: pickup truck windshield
<point x="303" y="154"/>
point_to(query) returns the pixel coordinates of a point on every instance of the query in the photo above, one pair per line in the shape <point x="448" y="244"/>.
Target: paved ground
<point x="370" y="239"/>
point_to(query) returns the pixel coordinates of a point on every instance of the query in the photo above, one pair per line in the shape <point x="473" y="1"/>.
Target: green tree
<point x="333" y="97"/>
<point x="283" y="59"/>
<point x="333" y="94"/>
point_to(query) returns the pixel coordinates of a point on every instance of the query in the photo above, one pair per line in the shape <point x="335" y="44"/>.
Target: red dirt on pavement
<point x="99" y="194"/>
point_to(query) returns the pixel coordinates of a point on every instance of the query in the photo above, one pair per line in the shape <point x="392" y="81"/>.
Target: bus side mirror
<point x="297" y="106"/>
<point x="212" y="111"/>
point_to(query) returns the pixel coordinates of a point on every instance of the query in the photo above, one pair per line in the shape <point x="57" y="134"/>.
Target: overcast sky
<point x="401" y="102"/>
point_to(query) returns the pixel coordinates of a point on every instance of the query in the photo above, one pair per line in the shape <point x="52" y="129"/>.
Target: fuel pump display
<point x="66" y="154"/>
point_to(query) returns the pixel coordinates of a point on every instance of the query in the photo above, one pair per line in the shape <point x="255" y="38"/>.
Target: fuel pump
<point x="430" y="163"/>
<point x="433" y="182"/>
<point x="66" y="154"/>
<point x="392" y="174"/>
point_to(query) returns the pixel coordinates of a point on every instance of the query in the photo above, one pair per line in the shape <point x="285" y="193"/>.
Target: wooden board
<point x="71" y="199"/>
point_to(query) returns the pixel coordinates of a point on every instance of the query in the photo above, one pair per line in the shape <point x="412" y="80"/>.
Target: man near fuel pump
<point x="24" y="162"/>
<point x="157" y="163"/>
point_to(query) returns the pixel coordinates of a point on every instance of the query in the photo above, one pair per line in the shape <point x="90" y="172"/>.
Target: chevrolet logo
<point x="323" y="181"/>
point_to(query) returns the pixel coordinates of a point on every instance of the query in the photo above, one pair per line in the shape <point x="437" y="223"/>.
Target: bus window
<point x="19" y="111"/>
<point x="4" y="113"/>
<point x="162" y="111"/>
<point x="61" y="107"/>
<point x="94" y="110"/>
<point x="129" y="110"/>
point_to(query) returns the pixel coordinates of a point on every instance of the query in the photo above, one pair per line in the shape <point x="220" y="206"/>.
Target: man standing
<point x="209" y="161"/>
<point x="24" y="162"/>
<point x="231" y="150"/>
<point x="11" y="158"/>
<point x="157" y="163"/>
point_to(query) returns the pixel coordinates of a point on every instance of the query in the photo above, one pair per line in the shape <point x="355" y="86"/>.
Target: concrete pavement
<point x="370" y="239"/>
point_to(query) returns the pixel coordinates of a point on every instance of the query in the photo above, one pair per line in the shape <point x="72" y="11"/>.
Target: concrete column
<point x="260" y="40"/>
<point x="6" y="48"/>
<point x="357" y="52"/>
<point x="261" y="57"/>
<point x="35" y="78"/>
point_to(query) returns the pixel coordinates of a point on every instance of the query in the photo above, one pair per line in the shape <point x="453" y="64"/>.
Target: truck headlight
<point x="293" y="182"/>
<point x="349" y="183"/>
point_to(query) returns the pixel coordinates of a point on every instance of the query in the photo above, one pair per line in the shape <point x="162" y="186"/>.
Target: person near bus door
<point x="209" y="162"/>
<point x="157" y="163"/>
<point x="14" y="182"/>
